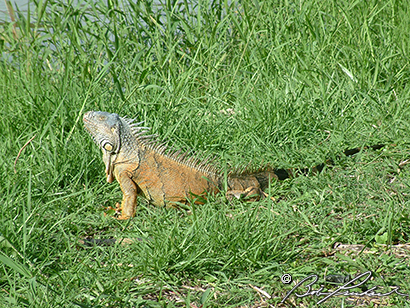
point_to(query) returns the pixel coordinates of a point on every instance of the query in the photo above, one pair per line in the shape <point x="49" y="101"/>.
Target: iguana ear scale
<point x="107" y="146"/>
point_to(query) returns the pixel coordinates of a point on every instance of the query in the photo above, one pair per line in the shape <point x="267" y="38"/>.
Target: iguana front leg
<point x="129" y="199"/>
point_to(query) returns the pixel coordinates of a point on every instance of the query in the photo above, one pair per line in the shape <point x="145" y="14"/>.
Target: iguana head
<point x="105" y="128"/>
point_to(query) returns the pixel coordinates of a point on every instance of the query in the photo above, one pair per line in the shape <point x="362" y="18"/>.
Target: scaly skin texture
<point x="142" y="167"/>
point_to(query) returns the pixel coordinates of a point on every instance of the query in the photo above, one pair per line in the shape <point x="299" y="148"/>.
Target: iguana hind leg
<point x="249" y="194"/>
<point x="247" y="187"/>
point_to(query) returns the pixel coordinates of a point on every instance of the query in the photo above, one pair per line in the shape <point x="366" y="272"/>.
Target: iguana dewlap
<point x="144" y="167"/>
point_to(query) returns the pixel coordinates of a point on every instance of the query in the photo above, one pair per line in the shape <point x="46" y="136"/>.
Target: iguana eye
<point x="107" y="146"/>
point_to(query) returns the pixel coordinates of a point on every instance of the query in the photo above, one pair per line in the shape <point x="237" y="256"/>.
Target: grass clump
<point x="288" y="83"/>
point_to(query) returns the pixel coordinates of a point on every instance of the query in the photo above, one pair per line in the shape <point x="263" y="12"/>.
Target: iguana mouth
<point x="88" y="122"/>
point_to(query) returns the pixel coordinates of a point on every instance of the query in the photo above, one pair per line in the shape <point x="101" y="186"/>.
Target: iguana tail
<point x="265" y="177"/>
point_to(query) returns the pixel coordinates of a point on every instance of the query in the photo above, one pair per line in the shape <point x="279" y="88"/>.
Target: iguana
<point x="144" y="167"/>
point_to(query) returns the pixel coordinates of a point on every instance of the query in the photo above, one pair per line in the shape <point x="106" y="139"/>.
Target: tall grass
<point x="278" y="82"/>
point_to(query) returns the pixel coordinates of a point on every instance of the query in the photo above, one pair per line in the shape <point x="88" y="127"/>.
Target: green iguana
<point x="144" y="167"/>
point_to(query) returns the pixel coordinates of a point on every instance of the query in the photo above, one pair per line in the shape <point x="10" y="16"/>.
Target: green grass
<point x="280" y="82"/>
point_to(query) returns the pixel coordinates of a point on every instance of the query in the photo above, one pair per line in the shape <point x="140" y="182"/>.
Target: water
<point x="21" y="4"/>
